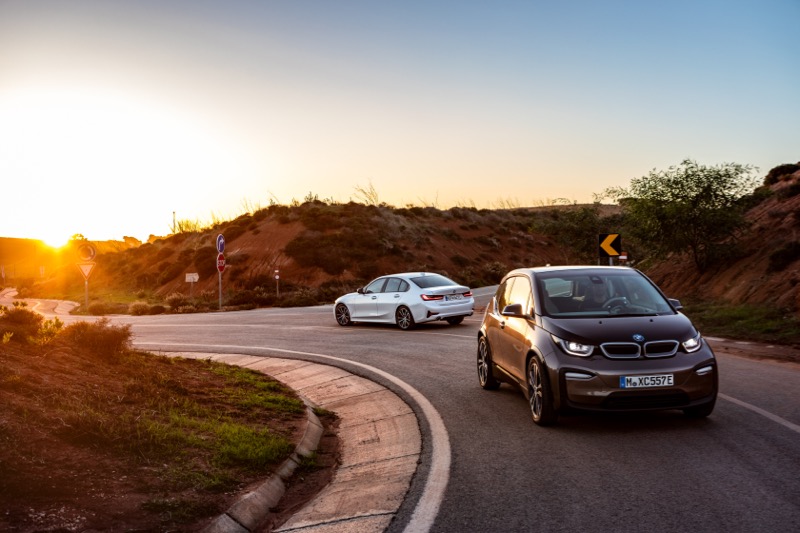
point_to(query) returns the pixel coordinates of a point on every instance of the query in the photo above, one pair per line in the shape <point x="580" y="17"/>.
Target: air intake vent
<point x="661" y="348"/>
<point x="621" y="350"/>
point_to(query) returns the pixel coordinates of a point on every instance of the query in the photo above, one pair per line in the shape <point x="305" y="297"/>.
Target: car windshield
<point x="592" y="293"/>
<point x="432" y="280"/>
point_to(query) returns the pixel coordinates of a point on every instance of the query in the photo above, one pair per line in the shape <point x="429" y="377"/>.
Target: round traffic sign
<point x="86" y="252"/>
<point x="221" y="262"/>
<point x="220" y="243"/>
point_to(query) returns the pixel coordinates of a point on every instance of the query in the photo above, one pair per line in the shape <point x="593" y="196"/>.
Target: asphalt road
<point x="738" y="470"/>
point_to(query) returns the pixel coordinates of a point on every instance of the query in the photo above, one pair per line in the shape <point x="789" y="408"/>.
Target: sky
<point x="118" y="117"/>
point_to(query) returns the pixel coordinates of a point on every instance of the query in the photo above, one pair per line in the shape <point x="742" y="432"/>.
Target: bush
<point x="303" y="297"/>
<point x="19" y="324"/>
<point x="176" y="300"/>
<point x="99" y="338"/>
<point x="775" y="175"/>
<point x="784" y="256"/>
<point x="139" y="309"/>
<point x="107" y="308"/>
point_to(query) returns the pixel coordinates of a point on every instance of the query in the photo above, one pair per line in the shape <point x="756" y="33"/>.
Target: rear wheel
<point x="486" y="366"/>
<point x="343" y="315"/>
<point x="455" y="320"/>
<point x="540" y="395"/>
<point x="404" y="318"/>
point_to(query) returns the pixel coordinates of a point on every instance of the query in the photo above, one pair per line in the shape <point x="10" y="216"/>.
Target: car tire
<point x="404" y="318"/>
<point x="455" y="320"/>
<point x="343" y="315"/>
<point x="486" y="366"/>
<point x="539" y="394"/>
<point x="700" y="411"/>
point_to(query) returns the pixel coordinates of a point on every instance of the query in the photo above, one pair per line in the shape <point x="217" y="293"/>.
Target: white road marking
<point x="762" y="412"/>
<point x="433" y="493"/>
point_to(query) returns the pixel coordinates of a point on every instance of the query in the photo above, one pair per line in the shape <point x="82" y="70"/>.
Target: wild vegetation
<point x="105" y="431"/>
<point x="704" y="222"/>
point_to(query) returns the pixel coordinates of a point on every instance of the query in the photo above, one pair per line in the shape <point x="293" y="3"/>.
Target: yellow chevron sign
<point x="610" y="244"/>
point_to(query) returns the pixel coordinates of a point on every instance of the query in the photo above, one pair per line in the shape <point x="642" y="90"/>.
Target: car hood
<point x="621" y="329"/>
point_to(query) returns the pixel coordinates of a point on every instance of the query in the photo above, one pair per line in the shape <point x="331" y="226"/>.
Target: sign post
<point x="192" y="277"/>
<point x="220" y="264"/>
<point x="277" y="283"/>
<point x="86" y="253"/>
<point x="610" y="245"/>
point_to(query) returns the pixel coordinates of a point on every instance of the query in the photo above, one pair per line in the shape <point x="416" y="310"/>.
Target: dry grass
<point x="97" y="436"/>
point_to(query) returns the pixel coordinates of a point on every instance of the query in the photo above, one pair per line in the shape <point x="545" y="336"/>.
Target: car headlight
<point x="693" y="344"/>
<point x="574" y="348"/>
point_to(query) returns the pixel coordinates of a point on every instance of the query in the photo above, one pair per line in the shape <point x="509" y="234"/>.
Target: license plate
<point x="453" y="297"/>
<point x="640" y="382"/>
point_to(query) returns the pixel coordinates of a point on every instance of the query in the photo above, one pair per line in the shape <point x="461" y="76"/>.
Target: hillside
<point x="318" y="248"/>
<point x="766" y="266"/>
<point x="324" y="249"/>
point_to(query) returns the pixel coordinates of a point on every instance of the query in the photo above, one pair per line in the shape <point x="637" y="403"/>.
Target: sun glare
<point x="95" y="161"/>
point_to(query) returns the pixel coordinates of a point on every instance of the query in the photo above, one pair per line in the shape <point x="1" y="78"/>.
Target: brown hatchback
<point x="594" y="339"/>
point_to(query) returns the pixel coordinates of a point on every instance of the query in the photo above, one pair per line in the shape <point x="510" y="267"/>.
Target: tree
<point x="689" y="208"/>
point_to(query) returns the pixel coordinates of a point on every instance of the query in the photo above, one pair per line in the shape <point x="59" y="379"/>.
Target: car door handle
<point x="503" y="324"/>
<point x="374" y="297"/>
<point x="397" y="296"/>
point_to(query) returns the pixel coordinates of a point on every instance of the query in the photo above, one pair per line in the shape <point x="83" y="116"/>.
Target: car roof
<point x="569" y="268"/>
<point x="411" y="275"/>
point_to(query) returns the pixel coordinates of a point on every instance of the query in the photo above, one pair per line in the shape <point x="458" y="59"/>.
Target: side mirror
<point x="360" y="290"/>
<point x="675" y="303"/>
<point x="513" y="310"/>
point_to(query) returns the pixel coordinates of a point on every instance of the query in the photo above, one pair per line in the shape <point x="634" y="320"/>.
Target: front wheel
<point x="485" y="366"/>
<point x="404" y="318"/>
<point x="343" y="315"/>
<point x="540" y="395"/>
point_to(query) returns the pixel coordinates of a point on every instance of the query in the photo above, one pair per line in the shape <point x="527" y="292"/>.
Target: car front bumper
<point x="694" y="382"/>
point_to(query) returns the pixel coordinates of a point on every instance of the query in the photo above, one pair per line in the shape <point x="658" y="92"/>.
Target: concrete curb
<point x="253" y="508"/>
<point x="381" y="446"/>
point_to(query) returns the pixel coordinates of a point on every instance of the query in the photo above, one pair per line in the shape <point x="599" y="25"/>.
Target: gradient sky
<point x="115" y="114"/>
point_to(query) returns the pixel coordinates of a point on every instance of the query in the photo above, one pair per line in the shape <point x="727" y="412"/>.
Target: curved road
<point x="738" y="470"/>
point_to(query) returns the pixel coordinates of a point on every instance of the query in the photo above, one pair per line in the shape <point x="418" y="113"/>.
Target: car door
<point x="495" y="330"/>
<point x="364" y="304"/>
<point x="512" y="340"/>
<point x="390" y="297"/>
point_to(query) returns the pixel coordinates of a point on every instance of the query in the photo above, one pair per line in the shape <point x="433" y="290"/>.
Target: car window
<point x="503" y="294"/>
<point x="394" y="285"/>
<point x="432" y="280"/>
<point x="375" y="286"/>
<point x="595" y="293"/>
<point x="521" y="294"/>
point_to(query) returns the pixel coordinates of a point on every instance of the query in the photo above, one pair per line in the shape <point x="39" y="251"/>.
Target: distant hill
<point x="321" y="250"/>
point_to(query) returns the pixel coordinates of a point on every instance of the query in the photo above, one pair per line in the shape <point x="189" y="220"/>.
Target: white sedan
<point x="406" y="299"/>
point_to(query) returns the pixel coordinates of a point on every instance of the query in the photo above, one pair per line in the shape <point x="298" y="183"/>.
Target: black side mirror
<point x="360" y="290"/>
<point x="513" y="310"/>
<point x="675" y="303"/>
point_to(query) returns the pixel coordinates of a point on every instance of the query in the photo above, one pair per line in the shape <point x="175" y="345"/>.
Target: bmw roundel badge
<point x="638" y="337"/>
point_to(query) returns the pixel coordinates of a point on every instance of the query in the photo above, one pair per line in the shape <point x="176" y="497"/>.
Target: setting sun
<point x="95" y="155"/>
